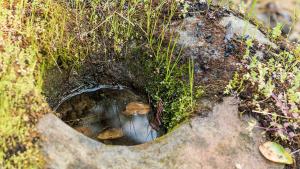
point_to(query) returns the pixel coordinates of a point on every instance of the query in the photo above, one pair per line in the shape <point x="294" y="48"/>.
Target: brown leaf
<point x="136" y="108"/>
<point x="109" y="134"/>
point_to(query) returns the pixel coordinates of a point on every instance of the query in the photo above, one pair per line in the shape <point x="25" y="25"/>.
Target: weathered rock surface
<point x="244" y="28"/>
<point x="219" y="141"/>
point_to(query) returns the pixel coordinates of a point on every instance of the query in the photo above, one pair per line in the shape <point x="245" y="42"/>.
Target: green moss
<point x="32" y="35"/>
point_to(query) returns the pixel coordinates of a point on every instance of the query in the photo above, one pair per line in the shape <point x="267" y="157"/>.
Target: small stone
<point x="112" y="133"/>
<point x="209" y="38"/>
<point x="136" y="108"/>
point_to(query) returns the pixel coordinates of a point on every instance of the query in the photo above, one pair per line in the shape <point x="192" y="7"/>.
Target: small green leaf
<point x="276" y="153"/>
<point x="276" y="32"/>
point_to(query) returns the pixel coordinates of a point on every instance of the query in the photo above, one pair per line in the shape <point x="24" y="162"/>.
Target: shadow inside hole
<point x="112" y="115"/>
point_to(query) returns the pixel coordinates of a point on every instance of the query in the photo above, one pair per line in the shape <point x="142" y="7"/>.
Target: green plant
<point x="276" y="32"/>
<point x="37" y="35"/>
<point x="33" y="36"/>
<point x="167" y="84"/>
<point x="176" y="94"/>
<point x="274" y="86"/>
<point x="209" y="3"/>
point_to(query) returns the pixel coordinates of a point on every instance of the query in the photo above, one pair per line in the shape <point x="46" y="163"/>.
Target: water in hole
<point x="111" y="115"/>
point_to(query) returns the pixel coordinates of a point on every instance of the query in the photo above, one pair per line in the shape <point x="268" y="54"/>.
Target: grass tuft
<point x="37" y="35"/>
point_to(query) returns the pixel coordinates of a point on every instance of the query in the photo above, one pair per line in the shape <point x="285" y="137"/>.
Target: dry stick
<point x="92" y="30"/>
<point x="268" y="129"/>
<point x="126" y="19"/>
<point x="280" y="104"/>
<point x="294" y="152"/>
<point x="76" y="88"/>
<point x="294" y="22"/>
<point x="131" y="22"/>
<point x="265" y="113"/>
<point x="83" y="118"/>
<point x="263" y="100"/>
<point x="135" y="25"/>
<point x="57" y="65"/>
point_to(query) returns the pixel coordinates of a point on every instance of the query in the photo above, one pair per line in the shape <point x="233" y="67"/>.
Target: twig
<point x="83" y="118"/>
<point x="294" y="152"/>
<point x="92" y="30"/>
<point x="265" y="128"/>
<point x="131" y="22"/>
<point x="264" y="113"/>
<point x="282" y="105"/>
<point x="57" y="65"/>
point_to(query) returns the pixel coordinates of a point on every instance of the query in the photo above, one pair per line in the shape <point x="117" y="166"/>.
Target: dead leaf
<point x="113" y="133"/>
<point x="276" y="153"/>
<point x="136" y="108"/>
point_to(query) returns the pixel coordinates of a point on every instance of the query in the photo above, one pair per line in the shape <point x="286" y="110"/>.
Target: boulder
<point x="219" y="141"/>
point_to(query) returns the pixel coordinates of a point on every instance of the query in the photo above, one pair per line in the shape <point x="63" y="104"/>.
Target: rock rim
<point x="220" y="140"/>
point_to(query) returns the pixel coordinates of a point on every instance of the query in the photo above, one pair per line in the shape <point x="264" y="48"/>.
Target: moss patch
<point x="37" y="35"/>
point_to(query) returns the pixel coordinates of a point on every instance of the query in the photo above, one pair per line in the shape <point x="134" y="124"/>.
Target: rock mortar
<point x="219" y="141"/>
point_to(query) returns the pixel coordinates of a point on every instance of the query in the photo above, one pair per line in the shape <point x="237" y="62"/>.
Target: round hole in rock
<point x="114" y="115"/>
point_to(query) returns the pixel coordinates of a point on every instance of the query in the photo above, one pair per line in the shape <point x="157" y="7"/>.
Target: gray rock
<point x="219" y="141"/>
<point x="244" y="28"/>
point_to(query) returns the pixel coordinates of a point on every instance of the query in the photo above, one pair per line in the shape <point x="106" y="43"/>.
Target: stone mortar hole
<point x="113" y="115"/>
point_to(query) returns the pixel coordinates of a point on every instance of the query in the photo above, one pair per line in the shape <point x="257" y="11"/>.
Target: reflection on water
<point x="100" y="114"/>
